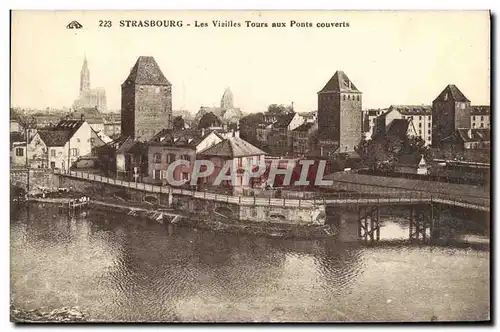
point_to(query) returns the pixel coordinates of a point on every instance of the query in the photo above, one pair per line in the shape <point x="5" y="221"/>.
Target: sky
<point x="392" y="57"/>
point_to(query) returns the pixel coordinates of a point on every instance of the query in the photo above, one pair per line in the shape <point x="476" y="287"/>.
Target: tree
<point x="276" y="109"/>
<point x="209" y="120"/>
<point x="248" y="127"/>
<point x="178" y="123"/>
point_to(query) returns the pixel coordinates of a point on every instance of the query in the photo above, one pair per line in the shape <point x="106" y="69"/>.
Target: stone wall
<point x="38" y="178"/>
<point x="202" y="208"/>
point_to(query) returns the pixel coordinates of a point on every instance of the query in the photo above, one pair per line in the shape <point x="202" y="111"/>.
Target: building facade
<point x="339" y="114"/>
<point x="480" y="117"/>
<point x="146" y="100"/>
<point x="165" y="148"/>
<point x="241" y="155"/>
<point x="67" y="141"/>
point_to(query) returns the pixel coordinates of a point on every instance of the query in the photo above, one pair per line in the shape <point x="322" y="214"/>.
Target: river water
<point x="120" y="268"/>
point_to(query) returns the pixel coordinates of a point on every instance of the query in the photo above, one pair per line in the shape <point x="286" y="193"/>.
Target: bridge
<point x="390" y="196"/>
<point x="365" y="196"/>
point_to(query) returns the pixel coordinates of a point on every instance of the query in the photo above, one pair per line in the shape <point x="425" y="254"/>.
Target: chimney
<point x="202" y="132"/>
<point x="469" y="133"/>
<point x="82" y="117"/>
<point x="67" y="116"/>
<point x="234" y="132"/>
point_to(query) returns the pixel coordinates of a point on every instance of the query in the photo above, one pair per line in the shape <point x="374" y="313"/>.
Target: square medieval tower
<point x="339" y="113"/>
<point x="146" y="100"/>
<point x="450" y="111"/>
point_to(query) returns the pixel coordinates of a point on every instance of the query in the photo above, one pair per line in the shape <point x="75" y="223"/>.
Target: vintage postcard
<point x="250" y="166"/>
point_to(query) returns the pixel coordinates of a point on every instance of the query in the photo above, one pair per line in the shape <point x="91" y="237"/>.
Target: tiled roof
<point x="398" y="128"/>
<point x="452" y="93"/>
<point x="55" y="137"/>
<point x="284" y="120"/>
<point x="91" y="115"/>
<point x="304" y="127"/>
<point x="412" y="109"/>
<point x="339" y="83"/>
<point x="233" y="147"/>
<point x="16" y="137"/>
<point x="60" y="133"/>
<point x="169" y="137"/>
<point x="470" y="135"/>
<point x="480" y="110"/>
<point x="146" y="72"/>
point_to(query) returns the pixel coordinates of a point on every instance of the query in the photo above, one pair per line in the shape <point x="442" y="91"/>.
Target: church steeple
<point x="226" y="101"/>
<point x="85" y="76"/>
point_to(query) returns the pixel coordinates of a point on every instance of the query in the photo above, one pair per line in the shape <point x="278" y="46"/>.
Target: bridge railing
<point x="390" y="196"/>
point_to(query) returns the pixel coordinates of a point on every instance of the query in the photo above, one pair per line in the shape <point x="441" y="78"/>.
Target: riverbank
<point x="217" y="223"/>
<point x="62" y="315"/>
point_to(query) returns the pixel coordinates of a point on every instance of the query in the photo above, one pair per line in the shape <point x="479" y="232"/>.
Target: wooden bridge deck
<point x="478" y="203"/>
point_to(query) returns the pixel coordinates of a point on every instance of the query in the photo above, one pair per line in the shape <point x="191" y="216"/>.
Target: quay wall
<point x="199" y="207"/>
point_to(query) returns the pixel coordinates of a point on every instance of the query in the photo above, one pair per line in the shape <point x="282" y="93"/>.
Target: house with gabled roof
<point x="165" y="148"/>
<point x="242" y="156"/>
<point x="67" y="141"/>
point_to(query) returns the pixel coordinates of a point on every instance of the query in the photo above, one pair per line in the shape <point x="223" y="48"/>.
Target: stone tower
<point x="146" y="100"/>
<point x="450" y="111"/>
<point x="85" y="76"/>
<point x="339" y="113"/>
<point x="226" y="102"/>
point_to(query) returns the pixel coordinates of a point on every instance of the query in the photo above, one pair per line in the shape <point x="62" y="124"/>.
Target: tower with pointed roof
<point x="84" y="76"/>
<point x="146" y="100"/>
<point x="339" y="114"/>
<point x="450" y="111"/>
<point x="226" y="102"/>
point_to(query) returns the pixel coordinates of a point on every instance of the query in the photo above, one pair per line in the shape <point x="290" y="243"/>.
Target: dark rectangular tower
<point x="146" y="100"/>
<point x="450" y="111"/>
<point x="339" y="113"/>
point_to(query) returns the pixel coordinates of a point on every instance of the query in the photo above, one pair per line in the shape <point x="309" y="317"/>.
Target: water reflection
<point x="122" y="268"/>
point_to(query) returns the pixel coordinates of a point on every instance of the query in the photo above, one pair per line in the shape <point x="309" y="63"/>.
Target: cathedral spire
<point x="85" y="76"/>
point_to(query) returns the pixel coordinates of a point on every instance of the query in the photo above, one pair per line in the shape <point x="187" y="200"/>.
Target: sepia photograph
<point x="176" y="166"/>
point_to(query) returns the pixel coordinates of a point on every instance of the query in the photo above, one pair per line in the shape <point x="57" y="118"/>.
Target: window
<point x="348" y="97"/>
<point x="240" y="162"/>
<point x="473" y="118"/>
<point x="92" y="140"/>
<point x="52" y="164"/>
<point x="481" y="125"/>
<point x="185" y="157"/>
<point x="157" y="89"/>
<point x="78" y="140"/>
<point x="74" y="152"/>
<point x="19" y="152"/>
<point x="157" y="174"/>
<point x="420" y="125"/>
<point x="429" y="131"/>
<point x="358" y="100"/>
<point x="420" y="117"/>
<point x="462" y="106"/>
<point x="473" y="125"/>
<point x="420" y="132"/>
<point x="185" y="176"/>
<point x="344" y="97"/>
<point x="429" y="117"/>
<point x="170" y="157"/>
<point x="52" y="152"/>
<point x="157" y="158"/>
<point x="482" y="118"/>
